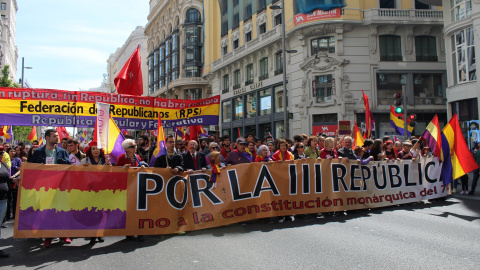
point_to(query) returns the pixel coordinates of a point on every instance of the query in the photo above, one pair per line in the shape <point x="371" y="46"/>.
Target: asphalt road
<point x="437" y="235"/>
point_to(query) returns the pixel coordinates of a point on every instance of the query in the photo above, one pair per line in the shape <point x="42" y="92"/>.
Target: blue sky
<point x="68" y="42"/>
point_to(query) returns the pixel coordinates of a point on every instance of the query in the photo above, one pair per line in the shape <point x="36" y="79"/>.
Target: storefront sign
<point x="329" y="129"/>
<point x="316" y="15"/>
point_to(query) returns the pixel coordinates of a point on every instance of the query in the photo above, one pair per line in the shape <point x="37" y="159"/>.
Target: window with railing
<point x="426" y="48"/>
<point x="236" y="79"/>
<point x="323" y="86"/>
<point x="461" y="9"/>
<point x="278" y="63"/>
<point x="390" y="48"/>
<point x="323" y="44"/>
<point x="263" y="68"/>
<point x="225" y="84"/>
<point x="249" y="74"/>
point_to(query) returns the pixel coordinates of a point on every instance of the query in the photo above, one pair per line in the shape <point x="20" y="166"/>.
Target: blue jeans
<point x="3" y="211"/>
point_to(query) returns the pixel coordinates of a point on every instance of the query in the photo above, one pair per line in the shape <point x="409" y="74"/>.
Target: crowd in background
<point x="203" y="154"/>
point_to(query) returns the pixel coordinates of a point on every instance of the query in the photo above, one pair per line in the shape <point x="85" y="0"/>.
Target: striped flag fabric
<point x="180" y="133"/>
<point x="456" y="157"/>
<point x="9" y="134"/>
<point x="56" y="200"/>
<point x="40" y="142"/>
<point x="33" y="134"/>
<point x="433" y="137"/>
<point x="83" y="137"/>
<point x="115" y="140"/>
<point x="160" y="147"/>
<point x="397" y="123"/>
<point x="357" y="136"/>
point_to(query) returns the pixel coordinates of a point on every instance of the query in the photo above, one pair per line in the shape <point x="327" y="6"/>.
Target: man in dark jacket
<point x="239" y="155"/>
<point x="173" y="160"/>
<point x="346" y="151"/>
<point x="192" y="159"/>
<point x="50" y="153"/>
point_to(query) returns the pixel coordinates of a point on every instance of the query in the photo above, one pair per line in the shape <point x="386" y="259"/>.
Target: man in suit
<point x="192" y="159"/>
<point x="173" y="160"/>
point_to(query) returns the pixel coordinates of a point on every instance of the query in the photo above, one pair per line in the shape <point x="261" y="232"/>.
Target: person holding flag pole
<point x="165" y="155"/>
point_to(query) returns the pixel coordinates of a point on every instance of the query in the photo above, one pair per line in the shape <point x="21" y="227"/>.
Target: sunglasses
<point x="215" y="147"/>
<point x="301" y="147"/>
<point x="132" y="146"/>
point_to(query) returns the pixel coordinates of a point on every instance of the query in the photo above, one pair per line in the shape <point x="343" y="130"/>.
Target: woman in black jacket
<point x="4" y="181"/>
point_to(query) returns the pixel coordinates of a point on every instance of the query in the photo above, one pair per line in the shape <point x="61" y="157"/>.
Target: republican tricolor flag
<point x="433" y="137"/>
<point x="53" y="201"/>
<point x="457" y="158"/>
<point x="83" y="137"/>
<point x="160" y="147"/>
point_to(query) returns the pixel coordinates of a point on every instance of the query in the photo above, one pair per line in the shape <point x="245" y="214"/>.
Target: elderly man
<point x="405" y="153"/>
<point x="239" y="155"/>
<point x="173" y="160"/>
<point x="192" y="159"/>
<point x="346" y="151"/>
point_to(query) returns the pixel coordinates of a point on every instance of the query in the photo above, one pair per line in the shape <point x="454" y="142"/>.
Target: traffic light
<point x="398" y="102"/>
<point x="412" y="118"/>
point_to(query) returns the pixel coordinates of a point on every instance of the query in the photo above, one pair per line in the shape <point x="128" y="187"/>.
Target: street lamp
<point x="23" y="68"/>
<point x="284" y="66"/>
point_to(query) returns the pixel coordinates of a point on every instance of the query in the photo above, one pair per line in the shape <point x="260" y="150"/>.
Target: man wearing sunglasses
<point x="192" y="159"/>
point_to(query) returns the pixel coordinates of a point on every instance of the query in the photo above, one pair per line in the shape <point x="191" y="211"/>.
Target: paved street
<point x="438" y="235"/>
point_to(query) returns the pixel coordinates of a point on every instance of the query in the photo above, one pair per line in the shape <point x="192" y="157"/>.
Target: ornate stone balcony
<point x="403" y="16"/>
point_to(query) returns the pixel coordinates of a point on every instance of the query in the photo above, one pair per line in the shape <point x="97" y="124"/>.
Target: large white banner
<point x="103" y="115"/>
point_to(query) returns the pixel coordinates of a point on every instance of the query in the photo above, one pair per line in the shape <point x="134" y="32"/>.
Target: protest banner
<point x="87" y="201"/>
<point x="46" y="107"/>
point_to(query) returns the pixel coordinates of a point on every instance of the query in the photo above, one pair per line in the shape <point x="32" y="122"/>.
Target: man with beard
<point x="144" y="149"/>
<point x="225" y="146"/>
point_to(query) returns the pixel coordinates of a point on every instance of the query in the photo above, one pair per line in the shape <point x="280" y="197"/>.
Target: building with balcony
<point x="8" y="49"/>
<point x="117" y="60"/>
<point x="175" y="44"/>
<point x="379" y="47"/>
<point x="461" y="24"/>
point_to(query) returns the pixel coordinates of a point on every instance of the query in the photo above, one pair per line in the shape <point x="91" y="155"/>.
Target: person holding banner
<point x="194" y="160"/>
<point x="129" y="158"/>
<point x="239" y="156"/>
<point x="76" y="156"/>
<point x="282" y="153"/>
<point x="311" y="150"/>
<point x="263" y="154"/>
<point x="50" y="153"/>
<point x="328" y="151"/>
<point x="173" y="159"/>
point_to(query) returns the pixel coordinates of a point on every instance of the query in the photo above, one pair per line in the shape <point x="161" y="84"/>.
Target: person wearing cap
<point x="239" y="155"/>
<point x="50" y="153"/>
<point x="405" y="153"/>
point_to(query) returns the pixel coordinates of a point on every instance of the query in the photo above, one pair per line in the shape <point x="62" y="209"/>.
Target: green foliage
<point x="5" y="80"/>
<point x="20" y="133"/>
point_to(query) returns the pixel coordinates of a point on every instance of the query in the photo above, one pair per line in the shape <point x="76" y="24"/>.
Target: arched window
<point x="193" y="16"/>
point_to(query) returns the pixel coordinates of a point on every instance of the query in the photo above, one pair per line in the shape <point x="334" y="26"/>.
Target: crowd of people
<point x="202" y="155"/>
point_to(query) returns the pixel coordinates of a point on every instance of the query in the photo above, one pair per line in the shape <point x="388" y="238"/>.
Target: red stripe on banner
<point x="68" y="180"/>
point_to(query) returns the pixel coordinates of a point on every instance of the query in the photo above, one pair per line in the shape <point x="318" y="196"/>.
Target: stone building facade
<point x="380" y="47"/>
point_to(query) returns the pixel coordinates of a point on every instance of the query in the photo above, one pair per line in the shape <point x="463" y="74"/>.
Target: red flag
<point x="95" y="133"/>
<point x="62" y="133"/>
<point x="129" y="81"/>
<point x="239" y="134"/>
<point x="368" y="118"/>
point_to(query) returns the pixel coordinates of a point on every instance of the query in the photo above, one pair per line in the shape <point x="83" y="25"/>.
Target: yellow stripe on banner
<point x="400" y="123"/>
<point x="73" y="200"/>
<point x="39" y="107"/>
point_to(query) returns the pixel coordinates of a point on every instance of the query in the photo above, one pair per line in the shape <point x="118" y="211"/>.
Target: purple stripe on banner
<point x="89" y="121"/>
<point x="85" y="219"/>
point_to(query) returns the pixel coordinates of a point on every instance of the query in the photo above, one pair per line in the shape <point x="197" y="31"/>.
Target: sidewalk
<point x="459" y="189"/>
